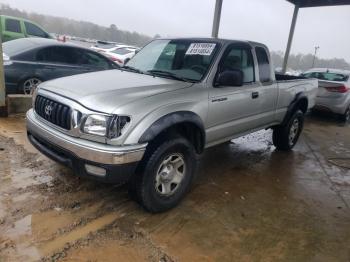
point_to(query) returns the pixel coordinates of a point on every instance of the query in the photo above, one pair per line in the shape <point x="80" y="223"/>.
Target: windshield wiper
<point x="169" y="74"/>
<point x="133" y="69"/>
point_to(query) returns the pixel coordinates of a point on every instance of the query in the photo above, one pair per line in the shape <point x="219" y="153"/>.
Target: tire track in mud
<point x="46" y="213"/>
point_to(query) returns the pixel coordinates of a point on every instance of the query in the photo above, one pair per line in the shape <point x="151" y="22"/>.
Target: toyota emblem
<point x="48" y="110"/>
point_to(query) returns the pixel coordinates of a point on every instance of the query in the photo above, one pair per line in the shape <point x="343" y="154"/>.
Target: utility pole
<point x="217" y="17"/>
<point x="3" y="108"/>
<point x="290" y="39"/>
<point x="313" y="62"/>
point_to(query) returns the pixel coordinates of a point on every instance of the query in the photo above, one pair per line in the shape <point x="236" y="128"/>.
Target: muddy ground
<point x="250" y="203"/>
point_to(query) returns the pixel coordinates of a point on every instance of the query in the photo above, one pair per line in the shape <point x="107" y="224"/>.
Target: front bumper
<point x="119" y="162"/>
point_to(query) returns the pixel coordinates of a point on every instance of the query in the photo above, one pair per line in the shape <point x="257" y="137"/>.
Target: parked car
<point x="103" y="46"/>
<point x="30" y="61"/>
<point x="333" y="91"/>
<point x="14" y="28"/>
<point x="121" y="55"/>
<point x="148" y="123"/>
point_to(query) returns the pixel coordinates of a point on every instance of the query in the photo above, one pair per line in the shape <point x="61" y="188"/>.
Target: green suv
<point x="14" y="28"/>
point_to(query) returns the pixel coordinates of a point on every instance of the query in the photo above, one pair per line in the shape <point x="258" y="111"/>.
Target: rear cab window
<point x="13" y="25"/>
<point x="263" y="64"/>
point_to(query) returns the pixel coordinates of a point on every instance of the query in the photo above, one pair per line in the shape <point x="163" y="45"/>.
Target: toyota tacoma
<point x="148" y="122"/>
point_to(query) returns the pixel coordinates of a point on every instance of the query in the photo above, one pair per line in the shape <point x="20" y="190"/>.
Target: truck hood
<point x="107" y="90"/>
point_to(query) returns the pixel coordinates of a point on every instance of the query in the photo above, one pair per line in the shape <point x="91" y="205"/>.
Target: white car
<point x="333" y="91"/>
<point x="102" y="46"/>
<point x="121" y="55"/>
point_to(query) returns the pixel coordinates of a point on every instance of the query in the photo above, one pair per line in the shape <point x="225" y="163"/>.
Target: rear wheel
<point x="28" y="86"/>
<point x="165" y="175"/>
<point x="285" y="137"/>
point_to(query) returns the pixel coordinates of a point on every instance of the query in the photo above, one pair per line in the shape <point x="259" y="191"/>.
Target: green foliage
<point x="82" y="29"/>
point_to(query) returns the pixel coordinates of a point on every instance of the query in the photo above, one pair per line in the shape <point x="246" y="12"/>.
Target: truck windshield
<point x="187" y="60"/>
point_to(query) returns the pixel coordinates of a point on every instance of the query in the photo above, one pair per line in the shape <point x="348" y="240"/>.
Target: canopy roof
<point x="316" y="3"/>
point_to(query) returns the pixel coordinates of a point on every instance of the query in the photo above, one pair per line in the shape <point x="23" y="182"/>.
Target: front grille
<point x="53" y="111"/>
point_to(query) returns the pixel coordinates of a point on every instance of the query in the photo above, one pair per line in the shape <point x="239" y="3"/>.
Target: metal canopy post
<point x="3" y="108"/>
<point x="217" y="17"/>
<point x="290" y="38"/>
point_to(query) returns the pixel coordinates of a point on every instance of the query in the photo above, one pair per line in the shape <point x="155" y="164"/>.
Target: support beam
<point x="3" y="107"/>
<point x="217" y="17"/>
<point x="290" y="38"/>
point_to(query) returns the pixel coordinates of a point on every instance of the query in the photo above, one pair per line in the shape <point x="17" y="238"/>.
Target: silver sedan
<point x="333" y="91"/>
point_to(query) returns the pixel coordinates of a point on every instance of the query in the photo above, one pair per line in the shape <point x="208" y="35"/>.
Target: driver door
<point x="234" y="109"/>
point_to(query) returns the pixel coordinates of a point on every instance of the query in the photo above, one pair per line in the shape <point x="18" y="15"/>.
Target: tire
<point x="285" y="137"/>
<point x="165" y="175"/>
<point x="346" y="116"/>
<point x="28" y="86"/>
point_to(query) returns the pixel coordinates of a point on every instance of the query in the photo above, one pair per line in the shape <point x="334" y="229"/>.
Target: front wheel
<point x="166" y="176"/>
<point x="286" y="136"/>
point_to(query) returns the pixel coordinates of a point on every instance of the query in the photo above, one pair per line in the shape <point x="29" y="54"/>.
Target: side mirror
<point x="230" y="78"/>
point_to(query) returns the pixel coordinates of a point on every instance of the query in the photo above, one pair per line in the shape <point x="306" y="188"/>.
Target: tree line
<point x="304" y="62"/>
<point x="83" y="29"/>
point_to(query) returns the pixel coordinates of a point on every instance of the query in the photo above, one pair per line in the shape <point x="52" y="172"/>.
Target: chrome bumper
<point x="84" y="149"/>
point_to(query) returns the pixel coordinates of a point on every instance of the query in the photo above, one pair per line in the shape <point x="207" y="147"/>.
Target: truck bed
<point x="283" y="77"/>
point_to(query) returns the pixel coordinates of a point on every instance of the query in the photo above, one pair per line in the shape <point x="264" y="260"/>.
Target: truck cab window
<point x="264" y="65"/>
<point x="241" y="59"/>
<point x="34" y="30"/>
<point x="12" y="25"/>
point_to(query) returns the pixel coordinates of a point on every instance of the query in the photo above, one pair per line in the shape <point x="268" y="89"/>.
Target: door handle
<point x="255" y="95"/>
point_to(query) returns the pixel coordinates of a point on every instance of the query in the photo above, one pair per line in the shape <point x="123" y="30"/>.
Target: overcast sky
<point x="266" y="21"/>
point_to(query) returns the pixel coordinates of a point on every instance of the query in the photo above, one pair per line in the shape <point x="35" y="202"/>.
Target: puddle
<point x="59" y="242"/>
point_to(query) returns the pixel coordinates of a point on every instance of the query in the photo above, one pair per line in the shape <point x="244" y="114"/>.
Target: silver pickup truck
<point x="147" y="123"/>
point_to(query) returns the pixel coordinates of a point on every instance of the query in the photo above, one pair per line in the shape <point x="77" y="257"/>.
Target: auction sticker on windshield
<point x="200" y="49"/>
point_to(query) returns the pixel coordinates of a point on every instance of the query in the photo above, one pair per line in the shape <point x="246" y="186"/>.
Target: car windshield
<point x="178" y="59"/>
<point x="328" y="76"/>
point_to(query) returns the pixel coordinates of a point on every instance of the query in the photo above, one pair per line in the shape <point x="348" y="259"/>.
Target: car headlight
<point x="107" y="126"/>
<point x="6" y="60"/>
<point x="96" y="125"/>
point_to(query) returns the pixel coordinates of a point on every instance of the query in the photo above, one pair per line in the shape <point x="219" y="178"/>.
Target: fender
<point x="165" y="122"/>
<point x="291" y="108"/>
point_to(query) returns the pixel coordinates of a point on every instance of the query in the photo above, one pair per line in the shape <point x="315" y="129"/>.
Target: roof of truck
<point x="213" y="39"/>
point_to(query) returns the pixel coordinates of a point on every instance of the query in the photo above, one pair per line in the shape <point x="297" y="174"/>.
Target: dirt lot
<point x="250" y="203"/>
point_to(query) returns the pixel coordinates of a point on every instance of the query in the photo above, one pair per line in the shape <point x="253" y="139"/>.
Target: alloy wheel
<point x="30" y="85"/>
<point x="170" y="174"/>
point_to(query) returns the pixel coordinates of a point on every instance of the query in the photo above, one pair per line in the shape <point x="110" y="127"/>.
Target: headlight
<point x="107" y="126"/>
<point x="6" y="59"/>
<point x="96" y="125"/>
